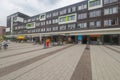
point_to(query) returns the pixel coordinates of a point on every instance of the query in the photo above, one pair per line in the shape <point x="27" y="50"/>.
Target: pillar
<point x="76" y="40"/>
<point x="88" y="39"/>
<point x="102" y="39"/>
<point x="119" y="40"/>
<point x="40" y="38"/>
<point x="111" y="40"/>
<point x="52" y="41"/>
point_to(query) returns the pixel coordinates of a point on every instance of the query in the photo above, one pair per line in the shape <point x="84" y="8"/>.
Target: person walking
<point x="47" y="42"/>
<point x="5" y="44"/>
<point x="44" y="43"/>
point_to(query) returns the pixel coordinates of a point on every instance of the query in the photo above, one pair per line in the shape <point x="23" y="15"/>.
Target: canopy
<point x="20" y="37"/>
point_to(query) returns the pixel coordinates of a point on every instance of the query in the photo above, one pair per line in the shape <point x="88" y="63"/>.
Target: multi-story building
<point x="2" y="30"/>
<point x="95" y="20"/>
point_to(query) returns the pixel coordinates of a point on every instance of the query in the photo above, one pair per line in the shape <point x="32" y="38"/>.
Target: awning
<point x="20" y="37"/>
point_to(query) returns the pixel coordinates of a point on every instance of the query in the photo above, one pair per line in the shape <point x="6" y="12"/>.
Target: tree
<point x="2" y="37"/>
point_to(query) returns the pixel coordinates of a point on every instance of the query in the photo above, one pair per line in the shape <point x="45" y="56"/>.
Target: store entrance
<point x="95" y="39"/>
<point x="115" y="39"/>
<point x="84" y="40"/>
<point x="111" y="39"/>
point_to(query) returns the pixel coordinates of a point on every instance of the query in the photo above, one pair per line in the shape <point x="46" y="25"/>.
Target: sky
<point x="30" y="7"/>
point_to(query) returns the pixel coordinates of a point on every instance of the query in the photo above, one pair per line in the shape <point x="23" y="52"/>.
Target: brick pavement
<point x="105" y="65"/>
<point x="98" y="63"/>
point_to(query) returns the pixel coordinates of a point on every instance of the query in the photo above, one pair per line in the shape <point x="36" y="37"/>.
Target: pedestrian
<point x="44" y="43"/>
<point x="47" y="42"/>
<point x="5" y="44"/>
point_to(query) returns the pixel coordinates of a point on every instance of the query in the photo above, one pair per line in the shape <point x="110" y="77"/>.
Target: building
<point x="2" y="30"/>
<point x="93" y="21"/>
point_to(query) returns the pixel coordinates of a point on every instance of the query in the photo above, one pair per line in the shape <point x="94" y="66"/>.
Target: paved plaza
<point x="26" y="61"/>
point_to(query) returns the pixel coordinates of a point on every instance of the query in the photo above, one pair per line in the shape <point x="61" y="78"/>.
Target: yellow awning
<point x="21" y="37"/>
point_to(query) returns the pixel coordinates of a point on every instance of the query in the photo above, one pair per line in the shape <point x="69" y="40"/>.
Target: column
<point x="102" y="39"/>
<point x="40" y="37"/>
<point x="76" y="40"/>
<point x="119" y="40"/>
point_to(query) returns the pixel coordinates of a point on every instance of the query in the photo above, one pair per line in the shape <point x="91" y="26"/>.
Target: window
<point x="25" y="21"/>
<point x="62" y="28"/>
<point x="48" y="22"/>
<point x="15" y="28"/>
<point x="48" y="15"/>
<point x="82" y="6"/>
<point x="42" y="17"/>
<point x="42" y="23"/>
<point x="33" y="30"/>
<point x="14" y="24"/>
<point x="55" y="28"/>
<point x="37" y="24"/>
<point x="72" y="17"/>
<point x="37" y="18"/>
<point x="95" y="13"/>
<point x="62" y="19"/>
<point x="42" y="29"/>
<point x="112" y="10"/>
<point x="69" y="10"/>
<point x="71" y="26"/>
<point x="67" y="19"/>
<point x="92" y="24"/>
<point x="48" y="29"/>
<point x="29" y="20"/>
<point x="94" y="3"/>
<point x="98" y="23"/>
<point x="55" y="14"/>
<point x="82" y="16"/>
<point x="37" y="30"/>
<point x="64" y="11"/>
<point x="109" y="1"/>
<point x="82" y="25"/>
<point x="95" y="24"/>
<point x="73" y="9"/>
<point x="110" y="22"/>
<point x="55" y="21"/>
<point x="33" y="19"/>
<point x="30" y="25"/>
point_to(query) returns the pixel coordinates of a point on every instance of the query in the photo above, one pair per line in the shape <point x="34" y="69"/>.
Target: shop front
<point x="20" y="38"/>
<point x="95" y="39"/>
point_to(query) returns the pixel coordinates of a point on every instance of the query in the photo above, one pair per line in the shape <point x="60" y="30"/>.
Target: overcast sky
<point x="30" y="7"/>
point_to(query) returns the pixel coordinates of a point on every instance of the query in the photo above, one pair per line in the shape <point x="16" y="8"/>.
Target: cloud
<point x="30" y="7"/>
